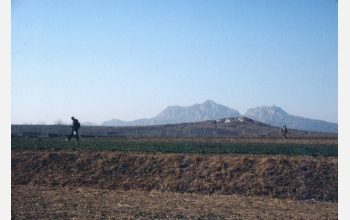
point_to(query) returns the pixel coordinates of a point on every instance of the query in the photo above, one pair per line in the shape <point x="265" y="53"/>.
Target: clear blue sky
<point x="103" y="60"/>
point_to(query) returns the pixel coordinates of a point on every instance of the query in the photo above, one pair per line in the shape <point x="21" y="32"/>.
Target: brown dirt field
<point x="31" y="202"/>
<point x="126" y="185"/>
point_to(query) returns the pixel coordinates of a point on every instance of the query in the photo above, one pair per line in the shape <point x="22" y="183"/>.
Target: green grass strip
<point x="115" y="144"/>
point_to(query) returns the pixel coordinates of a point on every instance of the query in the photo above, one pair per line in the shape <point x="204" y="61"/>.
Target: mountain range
<point x="210" y="110"/>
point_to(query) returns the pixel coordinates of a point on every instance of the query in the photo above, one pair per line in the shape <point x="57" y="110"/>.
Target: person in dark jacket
<point x="284" y="131"/>
<point x="75" y="128"/>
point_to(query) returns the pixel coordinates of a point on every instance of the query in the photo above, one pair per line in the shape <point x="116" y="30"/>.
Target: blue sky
<point x="103" y="60"/>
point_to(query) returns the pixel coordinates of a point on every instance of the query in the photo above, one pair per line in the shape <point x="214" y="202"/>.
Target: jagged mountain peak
<point x="264" y="112"/>
<point x="207" y="110"/>
<point x="276" y="116"/>
<point x="267" y="108"/>
<point x="209" y="103"/>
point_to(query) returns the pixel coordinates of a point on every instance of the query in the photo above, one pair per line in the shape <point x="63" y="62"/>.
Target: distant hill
<point x="88" y="123"/>
<point x="208" y="110"/>
<point x="275" y="116"/>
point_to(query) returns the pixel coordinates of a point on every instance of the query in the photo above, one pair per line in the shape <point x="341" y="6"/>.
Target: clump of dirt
<point x="285" y="177"/>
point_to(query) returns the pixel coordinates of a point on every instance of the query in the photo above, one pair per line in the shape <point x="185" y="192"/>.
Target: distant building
<point x="220" y="120"/>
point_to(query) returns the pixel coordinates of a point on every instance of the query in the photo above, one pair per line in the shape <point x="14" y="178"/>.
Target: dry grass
<point x="285" y="177"/>
<point x="31" y="202"/>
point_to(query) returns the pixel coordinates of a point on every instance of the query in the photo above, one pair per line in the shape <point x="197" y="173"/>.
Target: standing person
<point x="284" y="131"/>
<point x="75" y="128"/>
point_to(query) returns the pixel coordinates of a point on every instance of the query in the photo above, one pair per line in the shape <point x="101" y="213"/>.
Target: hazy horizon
<point x="129" y="60"/>
<point x="99" y="123"/>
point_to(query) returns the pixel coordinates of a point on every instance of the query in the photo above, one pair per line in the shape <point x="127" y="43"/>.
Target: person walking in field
<point x="75" y="128"/>
<point x="284" y="131"/>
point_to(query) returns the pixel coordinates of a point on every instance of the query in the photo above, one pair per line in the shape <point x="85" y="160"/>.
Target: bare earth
<point x="121" y="185"/>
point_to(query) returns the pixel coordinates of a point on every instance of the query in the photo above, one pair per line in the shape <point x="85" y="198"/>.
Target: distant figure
<point x="284" y="131"/>
<point x="75" y="128"/>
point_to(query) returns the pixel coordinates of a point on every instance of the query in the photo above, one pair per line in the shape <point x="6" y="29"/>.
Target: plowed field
<point x="48" y="184"/>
